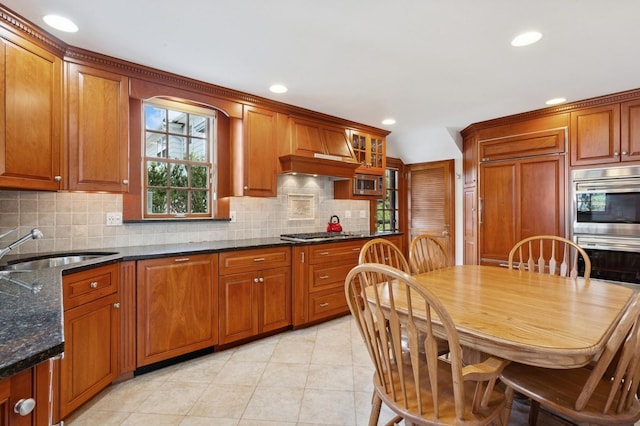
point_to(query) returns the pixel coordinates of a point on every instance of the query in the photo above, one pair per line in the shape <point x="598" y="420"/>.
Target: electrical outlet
<point x="114" y="218"/>
<point x="363" y="214"/>
<point x="232" y="216"/>
<point x="347" y="214"/>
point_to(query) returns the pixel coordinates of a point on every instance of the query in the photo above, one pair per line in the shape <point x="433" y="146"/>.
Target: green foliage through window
<point x="178" y="156"/>
<point x="387" y="209"/>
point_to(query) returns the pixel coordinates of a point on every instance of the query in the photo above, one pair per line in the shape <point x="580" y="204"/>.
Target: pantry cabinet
<point x="98" y="129"/>
<point x="30" y="115"/>
<point x="91" y="329"/>
<point x="319" y="272"/>
<point x="255" y="292"/>
<point x="177" y="306"/>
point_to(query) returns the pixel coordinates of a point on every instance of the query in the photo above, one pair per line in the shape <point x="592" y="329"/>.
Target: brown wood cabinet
<point x="255" y="292"/>
<point x="319" y="272"/>
<point x="30" y="116"/>
<point x="91" y="328"/>
<point x="98" y="129"/>
<point x="369" y="151"/>
<point x="260" y="152"/>
<point x="177" y="306"/>
<point x="20" y="390"/>
<point x="519" y="198"/>
<point x="607" y="134"/>
<point x="470" y="225"/>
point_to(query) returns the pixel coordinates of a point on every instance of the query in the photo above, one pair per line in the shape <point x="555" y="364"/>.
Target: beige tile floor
<point x="320" y="375"/>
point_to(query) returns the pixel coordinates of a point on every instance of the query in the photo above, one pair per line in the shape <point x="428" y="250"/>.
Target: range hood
<point x="319" y="164"/>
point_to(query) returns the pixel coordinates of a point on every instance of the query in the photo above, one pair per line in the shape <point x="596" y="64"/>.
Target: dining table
<point x="537" y="319"/>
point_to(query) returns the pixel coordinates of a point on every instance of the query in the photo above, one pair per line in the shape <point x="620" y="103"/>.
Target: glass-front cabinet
<point x="369" y="151"/>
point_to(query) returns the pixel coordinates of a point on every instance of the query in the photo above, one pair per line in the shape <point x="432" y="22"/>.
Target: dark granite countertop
<point x="31" y="310"/>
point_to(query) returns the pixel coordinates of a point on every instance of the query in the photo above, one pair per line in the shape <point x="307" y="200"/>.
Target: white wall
<point x="77" y="221"/>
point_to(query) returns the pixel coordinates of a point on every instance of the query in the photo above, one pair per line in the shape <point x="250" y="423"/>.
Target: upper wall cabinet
<point x="370" y="152"/>
<point x="98" y="138"/>
<point x="260" y="152"/>
<point x="30" y="115"/>
<point x="606" y="134"/>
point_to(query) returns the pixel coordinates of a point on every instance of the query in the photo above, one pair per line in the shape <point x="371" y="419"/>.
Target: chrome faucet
<point x="35" y="234"/>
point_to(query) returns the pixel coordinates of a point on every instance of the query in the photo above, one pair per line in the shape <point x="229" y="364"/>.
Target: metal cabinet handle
<point x="57" y="178"/>
<point x="625" y="153"/>
<point x="356" y="249"/>
<point x="324" y="305"/>
<point x="615" y="154"/>
<point x="125" y="181"/>
<point x="324" y="253"/>
<point x="259" y="259"/>
<point x="181" y="259"/>
<point x="24" y="406"/>
<point x="255" y="280"/>
<point x="323" y="277"/>
<point x="116" y="305"/>
<point x="93" y="284"/>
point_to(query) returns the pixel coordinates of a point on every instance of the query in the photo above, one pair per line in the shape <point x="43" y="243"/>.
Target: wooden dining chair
<point x="549" y="254"/>
<point x="426" y="254"/>
<point x="379" y="250"/>
<point x="385" y="252"/>
<point x="602" y="393"/>
<point x="412" y="380"/>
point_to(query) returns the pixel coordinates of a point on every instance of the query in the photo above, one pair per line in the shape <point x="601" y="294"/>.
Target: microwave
<point x="368" y="185"/>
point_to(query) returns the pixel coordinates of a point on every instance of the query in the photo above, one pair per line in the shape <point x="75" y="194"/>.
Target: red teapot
<point x="334" y="224"/>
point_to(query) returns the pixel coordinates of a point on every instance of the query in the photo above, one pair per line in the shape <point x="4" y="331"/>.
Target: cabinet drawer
<point x="333" y="251"/>
<point x="327" y="303"/>
<point x="324" y="277"/>
<point x="253" y="260"/>
<point x="89" y="285"/>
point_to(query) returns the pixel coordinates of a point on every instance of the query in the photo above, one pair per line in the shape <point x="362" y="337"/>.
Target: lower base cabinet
<point x="255" y="292"/>
<point x="319" y="272"/>
<point x="177" y="306"/>
<point x="25" y="398"/>
<point x="91" y="330"/>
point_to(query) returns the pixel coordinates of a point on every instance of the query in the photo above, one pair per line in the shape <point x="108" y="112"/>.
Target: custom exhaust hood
<point x="318" y="164"/>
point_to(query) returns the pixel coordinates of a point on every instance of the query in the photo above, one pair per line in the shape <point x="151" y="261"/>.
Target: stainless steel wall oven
<point x="606" y="220"/>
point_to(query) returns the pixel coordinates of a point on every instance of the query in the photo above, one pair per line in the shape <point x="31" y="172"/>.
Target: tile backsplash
<point x="77" y="221"/>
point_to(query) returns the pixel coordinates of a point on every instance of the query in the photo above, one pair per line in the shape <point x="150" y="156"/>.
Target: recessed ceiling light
<point x="388" y="121"/>
<point x="60" y="23"/>
<point x="278" y="88"/>
<point x="526" y="39"/>
<point x="556" y="101"/>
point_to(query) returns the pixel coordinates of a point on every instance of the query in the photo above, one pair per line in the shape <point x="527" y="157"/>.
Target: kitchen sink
<point x="43" y="262"/>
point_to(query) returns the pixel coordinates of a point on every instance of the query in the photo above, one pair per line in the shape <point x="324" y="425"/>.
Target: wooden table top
<point x="533" y="318"/>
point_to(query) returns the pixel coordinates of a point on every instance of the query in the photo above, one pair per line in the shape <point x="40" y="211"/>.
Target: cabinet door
<point x="275" y="299"/>
<point x="98" y="140"/>
<point x="470" y="226"/>
<point x="498" y="204"/>
<point x="177" y="306"/>
<point x="260" y="152"/>
<point x="30" y="115"/>
<point x="12" y="390"/>
<point x="519" y="199"/>
<point x="630" y="131"/>
<point x="595" y="135"/>
<point x="470" y="160"/>
<point x="370" y="152"/>
<point x="90" y="360"/>
<point x="238" y="313"/>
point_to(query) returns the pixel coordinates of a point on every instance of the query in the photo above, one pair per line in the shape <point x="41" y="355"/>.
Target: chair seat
<point x="558" y="390"/>
<point x="447" y="415"/>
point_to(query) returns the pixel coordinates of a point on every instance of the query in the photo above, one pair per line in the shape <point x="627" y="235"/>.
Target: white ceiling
<point x="436" y="66"/>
